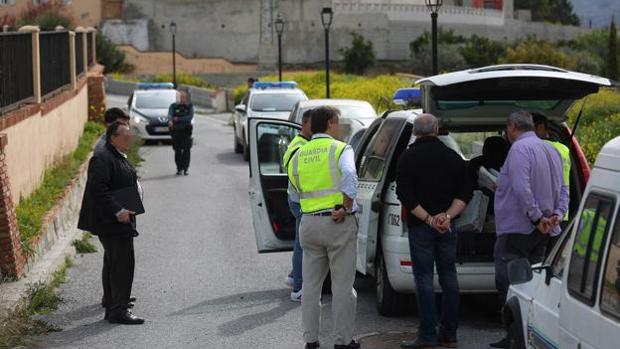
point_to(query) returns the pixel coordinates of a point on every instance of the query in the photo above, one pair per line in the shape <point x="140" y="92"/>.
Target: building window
<point x="7" y="2"/>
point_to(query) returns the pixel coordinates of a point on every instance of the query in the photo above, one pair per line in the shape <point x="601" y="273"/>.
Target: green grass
<point x="134" y="157"/>
<point x="84" y="245"/>
<point x="20" y="324"/>
<point x="31" y="210"/>
<point x="182" y="79"/>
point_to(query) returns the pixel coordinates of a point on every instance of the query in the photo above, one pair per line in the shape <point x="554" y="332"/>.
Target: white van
<point x="572" y="299"/>
<point x="472" y="106"/>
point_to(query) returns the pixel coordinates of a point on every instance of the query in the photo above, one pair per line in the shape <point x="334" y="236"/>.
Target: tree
<point x="612" y="60"/>
<point x="47" y="15"/>
<point x="536" y="51"/>
<point x="359" y="57"/>
<point x="448" y="56"/>
<point x="479" y="51"/>
<point x="111" y="57"/>
<point x="444" y="36"/>
<point x="554" y="11"/>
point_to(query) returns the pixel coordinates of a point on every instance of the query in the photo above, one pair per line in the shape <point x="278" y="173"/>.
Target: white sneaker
<point x="289" y="281"/>
<point x="296" y="296"/>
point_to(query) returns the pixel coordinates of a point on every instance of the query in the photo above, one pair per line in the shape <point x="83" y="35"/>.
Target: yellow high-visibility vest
<point x="565" y="155"/>
<point x="314" y="172"/>
<point x="295" y="144"/>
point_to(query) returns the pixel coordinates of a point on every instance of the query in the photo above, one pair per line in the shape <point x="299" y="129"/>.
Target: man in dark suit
<point x="181" y="115"/>
<point x="115" y="225"/>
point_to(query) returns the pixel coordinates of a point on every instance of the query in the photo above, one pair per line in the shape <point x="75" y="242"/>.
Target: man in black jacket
<point x="181" y="115"/>
<point x="102" y="215"/>
<point x="433" y="184"/>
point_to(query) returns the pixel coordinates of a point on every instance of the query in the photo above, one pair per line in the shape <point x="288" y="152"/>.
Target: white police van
<point x="472" y="105"/>
<point x="264" y="100"/>
<point x="148" y="109"/>
<point x="572" y="299"/>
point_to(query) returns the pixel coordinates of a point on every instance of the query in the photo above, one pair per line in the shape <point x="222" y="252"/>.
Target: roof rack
<point x="263" y="85"/>
<point x="155" y="86"/>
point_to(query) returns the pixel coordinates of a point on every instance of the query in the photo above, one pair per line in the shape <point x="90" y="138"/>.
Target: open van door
<point x="373" y="165"/>
<point x="274" y="225"/>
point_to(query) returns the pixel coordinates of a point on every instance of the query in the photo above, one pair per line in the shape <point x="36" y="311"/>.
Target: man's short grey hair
<point x="425" y="125"/>
<point x="522" y="120"/>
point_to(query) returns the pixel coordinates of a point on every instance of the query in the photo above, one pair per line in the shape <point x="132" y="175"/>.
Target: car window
<point x="273" y="139"/>
<point x="274" y="102"/>
<point x="448" y="140"/>
<point x="155" y="100"/>
<point x="373" y="162"/>
<point x="559" y="259"/>
<point x="588" y="247"/>
<point x="348" y="112"/>
<point x="610" y="293"/>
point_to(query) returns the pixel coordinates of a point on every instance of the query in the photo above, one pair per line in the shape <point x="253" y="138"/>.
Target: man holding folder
<point x="111" y="201"/>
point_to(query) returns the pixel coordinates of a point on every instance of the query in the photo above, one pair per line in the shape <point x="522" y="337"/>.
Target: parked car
<point x="471" y="105"/>
<point x="148" y="110"/>
<point x="264" y="100"/>
<point x="572" y="299"/>
<point x="355" y="116"/>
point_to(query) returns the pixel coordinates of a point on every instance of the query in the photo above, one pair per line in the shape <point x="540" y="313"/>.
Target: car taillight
<point x="276" y="227"/>
<point x="406" y="263"/>
<point x="403" y="214"/>
<point x="582" y="165"/>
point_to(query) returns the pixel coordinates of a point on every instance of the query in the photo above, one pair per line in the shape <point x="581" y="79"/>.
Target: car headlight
<point x="138" y="119"/>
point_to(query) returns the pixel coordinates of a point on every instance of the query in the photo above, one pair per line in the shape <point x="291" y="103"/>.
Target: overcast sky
<point x="599" y="11"/>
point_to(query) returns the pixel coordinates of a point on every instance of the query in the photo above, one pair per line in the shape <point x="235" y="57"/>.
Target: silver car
<point x="148" y="110"/>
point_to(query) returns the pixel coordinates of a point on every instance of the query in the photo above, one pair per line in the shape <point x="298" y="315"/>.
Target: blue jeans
<point x="429" y="248"/>
<point x="297" y="251"/>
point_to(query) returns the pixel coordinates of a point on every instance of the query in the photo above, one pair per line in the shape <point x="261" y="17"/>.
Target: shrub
<point x="47" y="15"/>
<point x="8" y="20"/>
<point x="377" y="91"/>
<point x="183" y="79"/>
<point x="612" y="58"/>
<point x="110" y="56"/>
<point x="360" y="56"/>
<point x="84" y="245"/>
<point x="479" y="51"/>
<point x="600" y="121"/>
<point x="444" y="36"/>
<point x="449" y="59"/>
<point x="536" y="51"/>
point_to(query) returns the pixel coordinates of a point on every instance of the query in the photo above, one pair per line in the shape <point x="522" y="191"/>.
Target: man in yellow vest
<point x="541" y="124"/>
<point x="295" y="279"/>
<point x="323" y="173"/>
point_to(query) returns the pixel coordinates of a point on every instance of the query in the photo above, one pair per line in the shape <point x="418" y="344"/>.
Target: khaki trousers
<point x="328" y="246"/>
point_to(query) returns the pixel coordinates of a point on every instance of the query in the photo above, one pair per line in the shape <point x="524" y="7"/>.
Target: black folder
<point x="129" y="199"/>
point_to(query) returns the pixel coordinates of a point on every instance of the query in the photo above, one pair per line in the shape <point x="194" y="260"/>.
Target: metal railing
<point x="90" y="39"/>
<point x="16" y="81"/>
<point x="79" y="53"/>
<point x="55" y="61"/>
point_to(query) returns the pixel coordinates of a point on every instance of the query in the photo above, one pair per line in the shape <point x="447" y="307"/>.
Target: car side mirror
<point x="519" y="271"/>
<point x="240" y="108"/>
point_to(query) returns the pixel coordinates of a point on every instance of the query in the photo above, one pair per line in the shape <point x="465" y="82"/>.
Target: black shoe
<point x="179" y="173"/>
<point x="185" y="173"/>
<point x="418" y="344"/>
<point x="448" y="342"/>
<point x="125" y="317"/>
<point x="313" y="345"/>
<point x="352" y="345"/>
<point x="501" y="344"/>
<point x="132" y="299"/>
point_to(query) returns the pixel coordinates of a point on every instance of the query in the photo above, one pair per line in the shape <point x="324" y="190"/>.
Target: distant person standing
<point x="530" y="201"/>
<point x="432" y="182"/>
<point x="181" y="115"/>
<point x="293" y="203"/>
<point x="102" y="214"/>
<point x="249" y="83"/>
<point x="111" y="116"/>
<point x="323" y="173"/>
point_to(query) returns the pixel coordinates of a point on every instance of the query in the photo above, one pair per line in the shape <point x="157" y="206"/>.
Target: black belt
<point x="325" y="214"/>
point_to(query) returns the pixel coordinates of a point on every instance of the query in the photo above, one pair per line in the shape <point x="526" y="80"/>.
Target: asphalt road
<point x="200" y="282"/>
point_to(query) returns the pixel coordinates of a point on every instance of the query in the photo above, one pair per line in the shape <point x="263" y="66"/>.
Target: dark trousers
<point x="429" y="248"/>
<point x="509" y="247"/>
<point x="118" y="269"/>
<point x="182" y="157"/>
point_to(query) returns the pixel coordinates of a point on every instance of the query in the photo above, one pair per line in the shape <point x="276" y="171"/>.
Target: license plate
<point x="161" y="129"/>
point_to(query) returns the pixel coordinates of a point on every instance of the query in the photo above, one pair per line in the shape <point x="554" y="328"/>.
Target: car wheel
<point x="237" y="145"/>
<point x="513" y="336"/>
<point x="389" y="302"/>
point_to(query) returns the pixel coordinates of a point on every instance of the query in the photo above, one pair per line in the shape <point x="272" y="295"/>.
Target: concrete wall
<point x="39" y="140"/>
<point x="242" y="31"/>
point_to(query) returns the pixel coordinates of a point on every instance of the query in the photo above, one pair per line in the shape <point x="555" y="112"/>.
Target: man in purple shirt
<point x="530" y="200"/>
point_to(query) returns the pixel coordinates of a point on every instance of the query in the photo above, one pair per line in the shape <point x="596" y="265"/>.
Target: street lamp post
<point x="433" y="6"/>
<point x="279" y="23"/>
<point x="326" y="18"/>
<point x="173" y="31"/>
